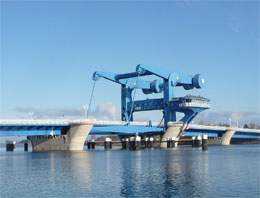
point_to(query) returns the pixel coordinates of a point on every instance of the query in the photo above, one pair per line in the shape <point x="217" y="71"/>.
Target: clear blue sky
<point x="49" y="50"/>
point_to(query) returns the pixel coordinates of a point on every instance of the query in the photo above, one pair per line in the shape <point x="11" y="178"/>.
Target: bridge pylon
<point x="227" y="136"/>
<point x="174" y="130"/>
<point x="73" y="140"/>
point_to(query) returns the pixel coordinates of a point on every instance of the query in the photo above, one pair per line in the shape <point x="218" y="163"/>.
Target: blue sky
<point x="49" y="50"/>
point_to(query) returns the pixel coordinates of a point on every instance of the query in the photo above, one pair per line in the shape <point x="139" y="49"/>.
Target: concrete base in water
<point x="226" y="138"/>
<point x="73" y="141"/>
<point x="173" y="131"/>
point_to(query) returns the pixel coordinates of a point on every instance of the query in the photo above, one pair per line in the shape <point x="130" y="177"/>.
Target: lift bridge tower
<point x="164" y="82"/>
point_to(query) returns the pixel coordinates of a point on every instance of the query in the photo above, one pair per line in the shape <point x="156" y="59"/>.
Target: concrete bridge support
<point x="72" y="141"/>
<point x="226" y="138"/>
<point x="174" y="130"/>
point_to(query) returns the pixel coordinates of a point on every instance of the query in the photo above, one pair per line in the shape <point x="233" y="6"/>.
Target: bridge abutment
<point x="173" y="131"/>
<point x="72" y="141"/>
<point x="227" y="136"/>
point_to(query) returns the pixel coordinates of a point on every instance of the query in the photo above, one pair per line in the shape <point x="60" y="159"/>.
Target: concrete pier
<point x="226" y="138"/>
<point x="72" y="141"/>
<point x="169" y="145"/>
<point x="171" y="142"/>
<point x="123" y="143"/>
<point x="108" y="143"/>
<point x="151" y="142"/>
<point x="91" y="144"/>
<point x="10" y="145"/>
<point x="138" y="143"/>
<point x="193" y="141"/>
<point x="204" y="142"/>
<point x="146" y="142"/>
<point x="198" y="141"/>
<point x="127" y="143"/>
<point x="135" y="143"/>
<point x="174" y="130"/>
<point x="25" y="146"/>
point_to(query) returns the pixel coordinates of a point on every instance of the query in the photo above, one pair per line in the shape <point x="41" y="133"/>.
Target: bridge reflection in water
<point x="179" y="172"/>
<point x="176" y="173"/>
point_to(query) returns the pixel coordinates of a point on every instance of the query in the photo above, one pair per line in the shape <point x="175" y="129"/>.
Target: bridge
<point x="71" y="134"/>
<point x="152" y="81"/>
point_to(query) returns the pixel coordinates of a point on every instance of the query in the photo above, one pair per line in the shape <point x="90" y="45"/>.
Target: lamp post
<point x="230" y="122"/>
<point x="31" y="115"/>
<point x="85" y="110"/>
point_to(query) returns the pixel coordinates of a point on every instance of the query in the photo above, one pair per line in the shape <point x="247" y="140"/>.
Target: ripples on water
<point x="231" y="171"/>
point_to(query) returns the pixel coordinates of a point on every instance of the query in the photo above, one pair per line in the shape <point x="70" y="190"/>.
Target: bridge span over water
<point x="71" y="134"/>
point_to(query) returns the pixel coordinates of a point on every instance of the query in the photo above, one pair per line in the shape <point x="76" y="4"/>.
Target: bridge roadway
<point x="76" y="131"/>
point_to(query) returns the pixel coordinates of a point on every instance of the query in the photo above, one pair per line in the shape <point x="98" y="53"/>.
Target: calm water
<point x="232" y="171"/>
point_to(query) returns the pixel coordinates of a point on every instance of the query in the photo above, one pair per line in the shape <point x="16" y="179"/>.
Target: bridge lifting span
<point x="164" y="82"/>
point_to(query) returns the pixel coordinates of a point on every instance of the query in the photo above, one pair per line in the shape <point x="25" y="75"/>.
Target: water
<point x="232" y="171"/>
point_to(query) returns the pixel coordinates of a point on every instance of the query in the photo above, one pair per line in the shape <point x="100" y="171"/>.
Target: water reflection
<point x="186" y="173"/>
<point x="164" y="173"/>
<point x="181" y="172"/>
<point x="71" y="168"/>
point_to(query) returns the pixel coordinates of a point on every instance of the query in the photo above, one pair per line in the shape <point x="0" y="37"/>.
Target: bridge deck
<point x="45" y="127"/>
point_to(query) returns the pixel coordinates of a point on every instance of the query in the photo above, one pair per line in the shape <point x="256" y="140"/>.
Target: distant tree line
<point x="246" y="126"/>
<point x="251" y="126"/>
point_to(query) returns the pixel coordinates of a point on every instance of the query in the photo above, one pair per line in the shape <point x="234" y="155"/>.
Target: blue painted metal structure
<point x="165" y="82"/>
<point x="126" y="130"/>
<point x="31" y="130"/>
<point x="122" y="130"/>
<point x="212" y="133"/>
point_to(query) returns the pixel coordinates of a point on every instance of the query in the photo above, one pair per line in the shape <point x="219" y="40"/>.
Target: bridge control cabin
<point x="193" y="101"/>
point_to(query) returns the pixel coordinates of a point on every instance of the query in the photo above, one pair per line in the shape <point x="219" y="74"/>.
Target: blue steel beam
<point x="23" y="130"/>
<point x="106" y="75"/>
<point x="210" y="133"/>
<point x="180" y="79"/>
<point x="197" y="133"/>
<point x="236" y="136"/>
<point x="5" y="133"/>
<point x="150" y="70"/>
<point x="239" y="134"/>
<point x="125" y="130"/>
<point x="147" y="105"/>
<point x="128" y="75"/>
<point x="119" y="130"/>
<point x="132" y="83"/>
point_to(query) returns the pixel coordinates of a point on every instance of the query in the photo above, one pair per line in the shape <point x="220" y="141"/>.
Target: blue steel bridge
<point x="120" y="128"/>
<point x="71" y="134"/>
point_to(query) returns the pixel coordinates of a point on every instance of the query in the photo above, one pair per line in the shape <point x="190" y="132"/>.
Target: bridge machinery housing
<point x="164" y="82"/>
